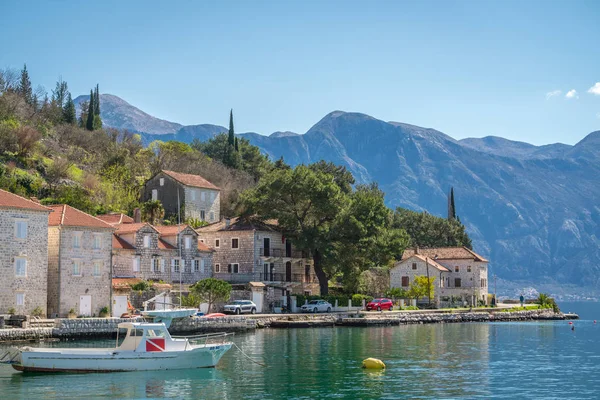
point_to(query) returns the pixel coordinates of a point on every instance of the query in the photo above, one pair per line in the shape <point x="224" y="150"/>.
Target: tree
<point x="59" y="94"/>
<point x="69" y="114"/>
<point x="152" y="211"/>
<point x="24" y="88"/>
<point x="89" y="124"/>
<point x="231" y="137"/>
<point x="451" y="206"/>
<point x="97" y="101"/>
<point x="421" y="287"/>
<point x="211" y="290"/>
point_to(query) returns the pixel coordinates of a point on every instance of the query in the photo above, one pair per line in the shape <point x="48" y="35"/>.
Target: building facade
<point x="249" y="250"/>
<point x="198" y="198"/>
<point x="461" y="275"/>
<point x="160" y="253"/>
<point x="79" y="262"/>
<point x="23" y="254"/>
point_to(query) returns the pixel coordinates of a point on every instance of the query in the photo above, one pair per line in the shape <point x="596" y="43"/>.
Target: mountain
<point x="533" y="210"/>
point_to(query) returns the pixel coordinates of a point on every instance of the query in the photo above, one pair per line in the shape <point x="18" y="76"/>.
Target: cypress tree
<point x="24" y="88"/>
<point x="451" y="206"/>
<point x="97" y="101"/>
<point x="69" y="114"/>
<point x="231" y="139"/>
<point x="237" y="149"/>
<point x="89" y="124"/>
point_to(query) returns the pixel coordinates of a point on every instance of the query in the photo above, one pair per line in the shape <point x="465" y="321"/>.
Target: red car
<point x="380" y="304"/>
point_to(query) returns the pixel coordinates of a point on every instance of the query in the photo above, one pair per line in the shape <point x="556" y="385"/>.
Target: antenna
<point x="179" y="246"/>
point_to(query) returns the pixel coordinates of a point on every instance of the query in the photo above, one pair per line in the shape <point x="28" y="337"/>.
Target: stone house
<point x="79" y="262"/>
<point x="248" y="250"/>
<point x="198" y="198"/>
<point x="23" y="254"/>
<point x="170" y="254"/>
<point x="461" y="275"/>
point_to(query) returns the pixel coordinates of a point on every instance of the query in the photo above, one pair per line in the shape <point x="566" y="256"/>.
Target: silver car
<point x="241" y="306"/>
<point x="315" y="306"/>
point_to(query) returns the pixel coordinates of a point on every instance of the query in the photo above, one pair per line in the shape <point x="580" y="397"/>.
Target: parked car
<point x="240" y="306"/>
<point x="380" y="304"/>
<point x="317" y="306"/>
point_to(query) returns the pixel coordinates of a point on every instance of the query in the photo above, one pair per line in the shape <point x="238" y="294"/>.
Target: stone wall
<point x="34" y="249"/>
<point x="53" y="281"/>
<point x="206" y="200"/>
<point x="225" y="254"/>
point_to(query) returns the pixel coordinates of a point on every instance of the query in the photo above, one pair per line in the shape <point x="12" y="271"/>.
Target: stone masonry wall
<point x="225" y="255"/>
<point x="35" y="250"/>
<point x="194" y="204"/>
<point x="53" y="289"/>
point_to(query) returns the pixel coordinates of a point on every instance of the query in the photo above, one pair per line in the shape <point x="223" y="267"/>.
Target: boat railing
<point x="207" y="338"/>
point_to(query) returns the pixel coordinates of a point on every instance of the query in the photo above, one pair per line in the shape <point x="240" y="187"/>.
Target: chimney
<point x="35" y="199"/>
<point x="227" y="222"/>
<point x="137" y="216"/>
<point x="416" y="249"/>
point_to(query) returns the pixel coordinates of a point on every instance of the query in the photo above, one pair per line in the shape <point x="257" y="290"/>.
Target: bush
<point x="141" y="286"/>
<point x="37" y="312"/>
<point x="410" y="308"/>
<point x="104" y="310"/>
<point x="358" y="298"/>
<point x="12" y="311"/>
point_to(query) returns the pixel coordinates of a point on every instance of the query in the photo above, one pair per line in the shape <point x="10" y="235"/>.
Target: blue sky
<point x="466" y="68"/>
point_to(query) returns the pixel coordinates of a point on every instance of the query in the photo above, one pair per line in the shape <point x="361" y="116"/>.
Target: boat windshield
<point x="155" y="333"/>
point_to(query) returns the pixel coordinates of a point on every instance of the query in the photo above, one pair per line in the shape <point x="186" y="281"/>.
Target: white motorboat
<point x="147" y="346"/>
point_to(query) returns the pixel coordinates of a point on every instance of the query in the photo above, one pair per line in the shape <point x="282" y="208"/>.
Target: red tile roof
<point x="204" y="247"/>
<point x="445" y="253"/>
<point x="66" y="215"/>
<point x="191" y="180"/>
<point x="123" y="229"/>
<point x="241" y="224"/>
<point x="170" y="230"/>
<point x="164" y="245"/>
<point x="115" y="219"/>
<point x="11" y="200"/>
<point x="428" y="260"/>
<point x="119" y="243"/>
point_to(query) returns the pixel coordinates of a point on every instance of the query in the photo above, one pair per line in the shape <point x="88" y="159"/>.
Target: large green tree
<point x="68" y="111"/>
<point x="211" y="290"/>
<point x="24" y="88"/>
<point x="152" y="211"/>
<point x="89" y="123"/>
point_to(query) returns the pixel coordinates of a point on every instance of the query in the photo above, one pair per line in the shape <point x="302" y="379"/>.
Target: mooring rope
<point x="248" y="357"/>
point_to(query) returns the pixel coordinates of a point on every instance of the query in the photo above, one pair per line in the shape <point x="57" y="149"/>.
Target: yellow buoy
<point x="373" y="363"/>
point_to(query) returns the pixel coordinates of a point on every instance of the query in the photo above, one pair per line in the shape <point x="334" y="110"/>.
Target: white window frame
<point x="196" y="263"/>
<point x="97" y="241"/>
<point x="202" y="266"/>
<point x="217" y="268"/>
<point x="76" y="241"/>
<point x="187" y="242"/>
<point x="147" y="241"/>
<point x="203" y="215"/>
<point x="162" y="265"/>
<point x="211" y="216"/>
<point x="97" y="268"/>
<point x="161" y="181"/>
<point x="193" y="191"/>
<point x="156" y="267"/>
<point x="23" y="231"/>
<point x="217" y="243"/>
<point x="17" y="269"/>
<point x="202" y="195"/>
<point x="137" y="264"/>
<point x="20" y="299"/>
<point x="238" y="243"/>
<point x="176" y="265"/>
<point x="154" y="194"/>
<point x="77" y="263"/>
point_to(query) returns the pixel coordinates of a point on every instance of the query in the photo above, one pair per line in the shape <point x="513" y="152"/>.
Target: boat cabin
<point x="146" y="337"/>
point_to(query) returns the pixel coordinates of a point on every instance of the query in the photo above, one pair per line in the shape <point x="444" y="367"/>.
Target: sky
<point x="523" y="70"/>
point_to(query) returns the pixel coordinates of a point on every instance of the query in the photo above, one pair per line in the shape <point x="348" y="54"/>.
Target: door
<point x="288" y="271"/>
<point x="288" y="248"/>
<point x="119" y="306"/>
<point x="265" y="272"/>
<point x="85" y="305"/>
<point x="272" y="272"/>
<point x="267" y="247"/>
<point x="257" y="298"/>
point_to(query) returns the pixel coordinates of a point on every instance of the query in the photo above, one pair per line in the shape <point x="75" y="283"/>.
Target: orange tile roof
<point x="123" y="229"/>
<point x="124" y="283"/>
<point x="191" y="180"/>
<point x="170" y="230"/>
<point x="164" y="245"/>
<point x="116" y="218"/>
<point x="11" y="200"/>
<point x="66" y="215"/>
<point x="428" y="260"/>
<point x="240" y="224"/>
<point x="204" y="247"/>
<point x="445" y="253"/>
<point x="120" y="243"/>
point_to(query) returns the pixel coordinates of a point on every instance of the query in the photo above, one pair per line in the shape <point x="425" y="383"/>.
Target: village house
<point x="23" y="254"/>
<point x="249" y="251"/>
<point x="198" y="198"/>
<point x="461" y="275"/>
<point x="79" y="262"/>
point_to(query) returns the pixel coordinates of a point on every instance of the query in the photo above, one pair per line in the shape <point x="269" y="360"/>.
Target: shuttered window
<point x="405" y="281"/>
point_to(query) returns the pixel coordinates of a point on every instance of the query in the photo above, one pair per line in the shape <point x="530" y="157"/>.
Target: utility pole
<point x="495" y="292"/>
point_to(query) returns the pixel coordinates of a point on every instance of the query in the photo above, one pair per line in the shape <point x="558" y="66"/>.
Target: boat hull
<point x="73" y="361"/>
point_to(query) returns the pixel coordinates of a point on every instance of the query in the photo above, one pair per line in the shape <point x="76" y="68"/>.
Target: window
<point x="21" y="229"/>
<point x="97" y="268"/>
<point x="211" y="216"/>
<point x="405" y="281"/>
<point x="483" y="282"/>
<point x="235" y="243"/>
<point x="193" y="191"/>
<point x="161" y="181"/>
<point x="196" y="265"/>
<point x="233" y="268"/>
<point x="456" y="269"/>
<point x="20" y="299"/>
<point x="76" y="267"/>
<point x="202" y="195"/>
<point x="187" y="242"/>
<point x="456" y="282"/>
<point x="217" y="268"/>
<point x="156" y="265"/>
<point x="97" y="241"/>
<point x="414" y="265"/>
<point x="77" y="240"/>
<point x="213" y="196"/>
<point x="154" y="194"/>
<point x="146" y="241"/>
<point x="202" y="215"/>
<point x="20" y="266"/>
<point x="136" y="264"/>
<point x="175" y="262"/>
<point x="217" y="243"/>
<point x="202" y="266"/>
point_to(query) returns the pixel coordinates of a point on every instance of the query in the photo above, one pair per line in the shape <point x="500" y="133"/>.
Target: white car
<point x="315" y="306"/>
<point x="240" y="306"/>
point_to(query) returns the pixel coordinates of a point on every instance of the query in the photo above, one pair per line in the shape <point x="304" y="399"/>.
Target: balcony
<point x="267" y="278"/>
<point x="281" y="253"/>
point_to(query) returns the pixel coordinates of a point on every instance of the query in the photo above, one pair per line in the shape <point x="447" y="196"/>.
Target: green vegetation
<point x="141" y="286"/>
<point x="191" y="300"/>
<point x="211" y="290"/>
<point x="104" y="312"/>
<point x="37" y="312"/>
<point x="357" y="299"/>
<point x="11" y="311"/>
<point x="421" y="287"/>
<point x="546" y="301"/>
<point x="152" y="212"/>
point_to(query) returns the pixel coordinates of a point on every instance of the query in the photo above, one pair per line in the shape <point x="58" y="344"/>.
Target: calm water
<point x="500" y="360"/>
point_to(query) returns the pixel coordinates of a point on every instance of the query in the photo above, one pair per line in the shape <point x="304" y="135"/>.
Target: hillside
<point x="532" y="209"/>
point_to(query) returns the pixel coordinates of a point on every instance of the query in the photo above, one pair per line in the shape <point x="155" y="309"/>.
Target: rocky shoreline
<point x="88" y="328"/>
